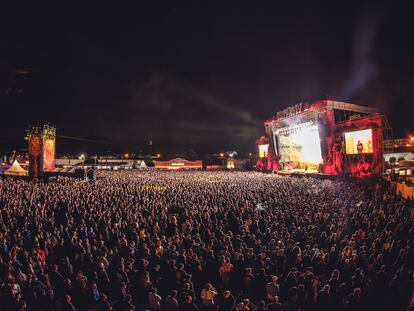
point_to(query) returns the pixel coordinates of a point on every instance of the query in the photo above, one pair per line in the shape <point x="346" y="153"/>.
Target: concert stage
<point x="327" y="137"/>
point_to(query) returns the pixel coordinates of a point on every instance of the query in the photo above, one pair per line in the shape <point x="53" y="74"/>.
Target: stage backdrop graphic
<point x="35" y="149"/>
<point x="49" y="145"/>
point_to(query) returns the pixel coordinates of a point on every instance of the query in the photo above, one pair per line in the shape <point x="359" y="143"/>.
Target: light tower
<point x="42" y="149"/>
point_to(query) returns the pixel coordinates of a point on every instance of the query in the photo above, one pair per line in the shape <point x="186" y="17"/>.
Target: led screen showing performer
<point x="263" y="150"/>
<point x="359" y="142"/>
<point x="300" y="144"/>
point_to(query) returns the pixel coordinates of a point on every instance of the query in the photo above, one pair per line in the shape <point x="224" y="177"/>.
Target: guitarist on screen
<point x="360" y="147"/>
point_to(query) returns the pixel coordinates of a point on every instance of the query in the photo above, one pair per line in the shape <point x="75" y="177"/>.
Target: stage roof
<point x="322" y="104"/>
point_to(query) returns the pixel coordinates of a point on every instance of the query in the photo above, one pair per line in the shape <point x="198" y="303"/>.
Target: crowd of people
<point x="151" y="240"/>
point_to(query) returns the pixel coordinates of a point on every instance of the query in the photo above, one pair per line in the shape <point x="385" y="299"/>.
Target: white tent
<point x="408" y="156"/>
<point x="16" y="170"/>
<point x="142" y="165"/>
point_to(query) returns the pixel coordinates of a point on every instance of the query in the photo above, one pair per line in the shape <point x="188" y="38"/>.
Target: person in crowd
<point x="207" y="297"/>
<point x="272" y="288"/>
<point x="188" y="304"/>
<point x="154" y="300"/>
<point x="68" y="305"/>
<point x="226" y="301"/>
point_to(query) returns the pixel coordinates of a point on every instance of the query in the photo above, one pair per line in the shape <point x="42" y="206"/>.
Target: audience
<point x="151" y="240"/>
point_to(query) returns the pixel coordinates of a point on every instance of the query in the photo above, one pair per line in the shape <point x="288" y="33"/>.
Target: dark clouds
<point x="199" y="76"/>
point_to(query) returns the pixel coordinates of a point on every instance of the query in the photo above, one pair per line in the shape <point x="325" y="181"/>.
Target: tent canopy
<point x="16" y="170"/>
<point x="142" y="165"/>
<point x="399" y="155"/>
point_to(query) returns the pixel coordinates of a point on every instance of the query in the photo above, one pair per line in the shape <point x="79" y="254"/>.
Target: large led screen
<point x="263" y="150"/>
<point x="359" y="142"/>
<point x="300" y="144"/>
<point x="49" y="155"/>
<point x="49" y="145"/>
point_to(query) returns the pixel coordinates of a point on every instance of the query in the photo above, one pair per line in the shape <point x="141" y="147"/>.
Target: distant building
<point x="67" y="162"/>
<point x="399" y="144"/>
<point x="179" y="164"/>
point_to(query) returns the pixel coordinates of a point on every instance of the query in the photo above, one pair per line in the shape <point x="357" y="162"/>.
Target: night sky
<point x="203" y="76"/>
